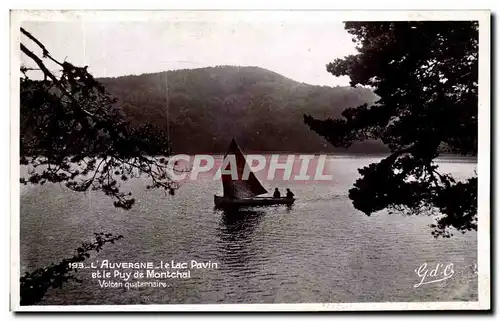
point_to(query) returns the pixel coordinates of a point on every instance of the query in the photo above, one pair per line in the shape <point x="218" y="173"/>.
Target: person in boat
<point x="277" y="193"/>
<point x="289" y="193"/>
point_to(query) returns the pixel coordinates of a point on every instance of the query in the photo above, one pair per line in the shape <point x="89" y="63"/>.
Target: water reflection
<point x="236" y="240"/>
<point x="239" y="222"/>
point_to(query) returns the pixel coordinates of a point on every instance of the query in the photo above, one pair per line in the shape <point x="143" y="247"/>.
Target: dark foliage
<point x="426" y="75"/>
<point x="34" y="285"/>
<point x="72" y="132"/>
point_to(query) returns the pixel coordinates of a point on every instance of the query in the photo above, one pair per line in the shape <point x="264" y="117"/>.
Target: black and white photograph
<point x="258" y="160"/>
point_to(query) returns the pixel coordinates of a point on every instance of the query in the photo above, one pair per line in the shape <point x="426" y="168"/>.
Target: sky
<point x="297" y="49"/>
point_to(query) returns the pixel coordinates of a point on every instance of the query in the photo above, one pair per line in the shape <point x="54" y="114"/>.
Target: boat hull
<point x="254" y="201"/>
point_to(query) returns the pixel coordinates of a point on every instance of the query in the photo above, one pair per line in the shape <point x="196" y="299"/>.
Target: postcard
<point x="250" y="160"/>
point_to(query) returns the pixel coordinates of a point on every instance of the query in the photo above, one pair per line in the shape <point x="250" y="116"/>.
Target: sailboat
<point x="244" y="192"/>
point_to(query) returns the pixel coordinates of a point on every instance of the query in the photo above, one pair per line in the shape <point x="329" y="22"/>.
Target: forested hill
<point x="260" y="108"/>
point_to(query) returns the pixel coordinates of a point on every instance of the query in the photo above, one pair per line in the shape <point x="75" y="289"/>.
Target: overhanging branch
<point x="47" y="72"/>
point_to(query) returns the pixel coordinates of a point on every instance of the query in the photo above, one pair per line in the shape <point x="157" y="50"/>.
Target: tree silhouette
<point x="34" y="285"/>
<point x="426" y="75"/>
<point x="72" y="132"/>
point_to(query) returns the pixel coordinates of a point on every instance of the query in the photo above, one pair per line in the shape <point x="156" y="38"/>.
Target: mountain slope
<point x="261" y="109"/>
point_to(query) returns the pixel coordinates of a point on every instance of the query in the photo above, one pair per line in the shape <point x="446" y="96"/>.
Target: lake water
<point x="319" y="250"/>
